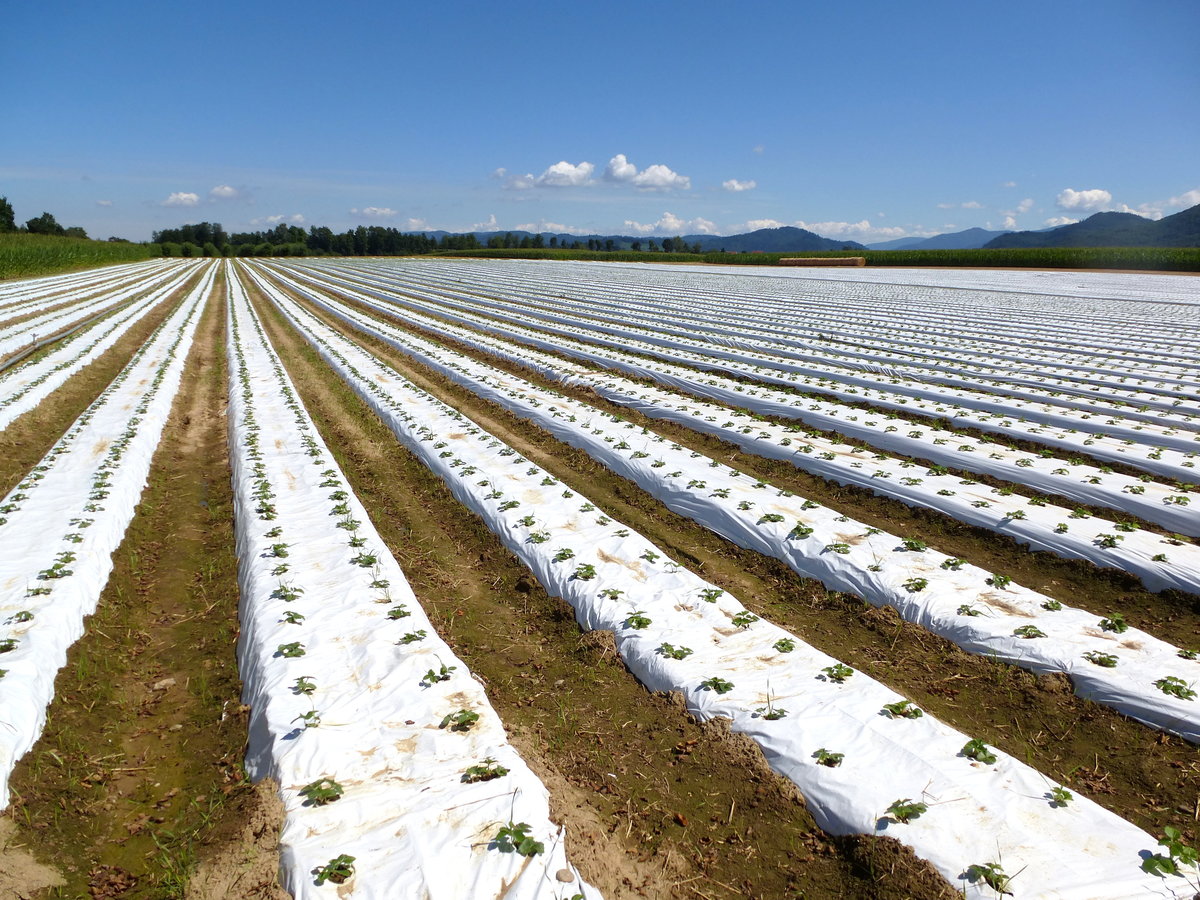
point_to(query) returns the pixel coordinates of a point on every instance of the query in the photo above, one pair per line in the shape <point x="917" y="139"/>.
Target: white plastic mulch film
<point x="968" y="605"/>
<point x="833" y="731"/>
<point x="395" y="772"/>
<point x="62" y="522"/>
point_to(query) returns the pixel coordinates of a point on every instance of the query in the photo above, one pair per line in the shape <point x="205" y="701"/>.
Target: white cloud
<point x="1187" y="198"/>
<point x="373" y="212"/>
<point x="1055" y="221"/>
<point x="620" y="169"/>
<point x="947" y="205"/>
<point x="860" y="231"/>
<point x="670" y="224"/>
<point x="561" y="174"/>
<point x="759" y="149"/>
<point x="223" y="192"/>
<point x="660" y="178"/>
<point x="737" y="186"/>
<point x="489" y="225"/>
<point x="182" y="198"/>
<point x="652" y="178"/>
<point x="500" y="173"/>
<point x="758" y="224"/>
<point x="1094" y="199"/>
<point x="972" y="204"/>
<point x="1009" y="224"/>
<point x="969" y="204"/>
<point x="1009" y="184"/>
<point x="294" y="219"/>
<point x="1025" y="205"/>
<point x="104" y="203"/>
<point x="542" y="225"/>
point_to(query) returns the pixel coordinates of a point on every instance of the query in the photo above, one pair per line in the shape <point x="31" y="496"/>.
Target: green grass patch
<point x="28" y="255"/>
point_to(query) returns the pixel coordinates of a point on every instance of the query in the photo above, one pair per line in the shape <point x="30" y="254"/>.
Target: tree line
<point x="43" y="224"/>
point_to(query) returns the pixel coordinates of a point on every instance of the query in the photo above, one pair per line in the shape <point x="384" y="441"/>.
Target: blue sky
<point x="867" y="121"/>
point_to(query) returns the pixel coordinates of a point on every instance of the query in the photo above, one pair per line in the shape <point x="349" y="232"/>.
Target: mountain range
<point x="1105" y="229"/>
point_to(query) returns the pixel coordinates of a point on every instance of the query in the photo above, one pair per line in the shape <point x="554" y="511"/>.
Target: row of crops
<point x="395" y="771"/>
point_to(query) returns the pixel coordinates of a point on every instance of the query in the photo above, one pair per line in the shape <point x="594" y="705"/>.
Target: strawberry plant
<point x="1115" y="623"/>
<point x="904" y="811"/>
<point x="710" y="595"/>
<point x="953" y="563"/>
<point x="672" y="652"/>
<point x="321" y="792"/>
<point x="968" y="609"/>
<point x="398" y="612"/>
<point x="784" y="645"/>
<point x="992" y="875"/>
<point x="1029" y="632"/>
<point x="1175" y="687"/>
<point x="484" y="771"/>
<point x="914" y="545"/>
<point x="916" y="584"/>
<point x="902" y="709"/>
<point x="837" y="548"/>
<point x="1105" y="660"/>
<point x="1059" y="796"/>
<point x="1178" y="854"/>
<point x="800" y="530"/>
<point x="303" y="685"/>
<point x="339" y="870"/>
<point x="461" y="720"/>
<point x="977" y="750"/>
<point x="999" y="581"/>
<point x="514" y="838"/>
<point x="637" y="620"/>
<point x="719" y="685"/>
<point x="1186" y="654"/>
<point x="1052" y="606"/>
<point x="295" y="648"/>
<point x="837" y="673"/>
<point x="434" y="676"/>
<point x="744" y="619"/>
<point x="564" y="554"/>
<point x="412" y="637"/>
<point x="825" y="758"/>
<point x="584" y="572"/>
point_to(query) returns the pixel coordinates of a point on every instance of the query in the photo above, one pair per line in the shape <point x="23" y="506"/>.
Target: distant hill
<point x="772" y="240"/>
<point x="1113" y="229"/>
<point x="970" y="239"/>
<point x="765" y="240"/>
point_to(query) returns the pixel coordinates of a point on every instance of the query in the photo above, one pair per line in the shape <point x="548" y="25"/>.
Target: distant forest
<point x="210" y="239"/>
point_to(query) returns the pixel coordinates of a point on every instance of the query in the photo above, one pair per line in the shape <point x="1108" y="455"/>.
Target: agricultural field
<point x="481" y="577"/>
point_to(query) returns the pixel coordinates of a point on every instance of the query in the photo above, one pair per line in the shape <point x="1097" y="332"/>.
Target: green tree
<point x="45" y="224"/>
<point x="8" y="221"/>
<point x="76" y="232"/>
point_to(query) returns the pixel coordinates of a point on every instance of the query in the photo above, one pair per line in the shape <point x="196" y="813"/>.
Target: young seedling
<point x="485" y="771"/>
<point x="514" y="838"/>
<point x="637" y="620"/>
<point x="800" y="530"/>
<point x="992" y="875"/>
<point x="784" y="645"/>
<point x="1059" y="796"/>
<point x="1000" y="581"/>
<point x="303" y="685"/>
<point x="1104" y="660"/>
<point x="462" y="720"/>
<point x="611" y="593"/>
<point x="1052" y="606"/>
<point x="1028" y="632"/>
<point x="968" y="609"/>
<point x="710" y="595"/>
<point x="914" y="545"/>
<point x="311" y="719"/>
<point x="744" y="619"/>
<point x="953" y="563"/>
<point x="672" y="652"/>
<point x="434" y="676"/>
<point x="718" y="685"/>
<point x="1178" y="853"/>
<point x="321" y="792"/>
<point x="412" y="637"/>
<point x="291" y="617"/>
<point x="1186" y="654"/>
<point x="837" y="547"/>
<point x="294" y="649"/>
<point x="398" y="612"/>
<point x="825" y="758"/>
<point x="339" y="870"/>
<point x="837" y="673"/>
<point x="584" y="572"/>
<point x="1115" y="623"/>
<point x="564" y="554"/>
<point x="902" y="709"/>
<point x="977" y="750"/>
<point x="1175" y="687"/>
<point x="904" y="811"/>
<point x="916" y="584"/>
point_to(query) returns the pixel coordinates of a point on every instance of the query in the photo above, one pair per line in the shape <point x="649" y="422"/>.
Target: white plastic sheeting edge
<point x="61" y="524"/>
<point x="414" y="828"/>
<point x="977" y="813"/>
